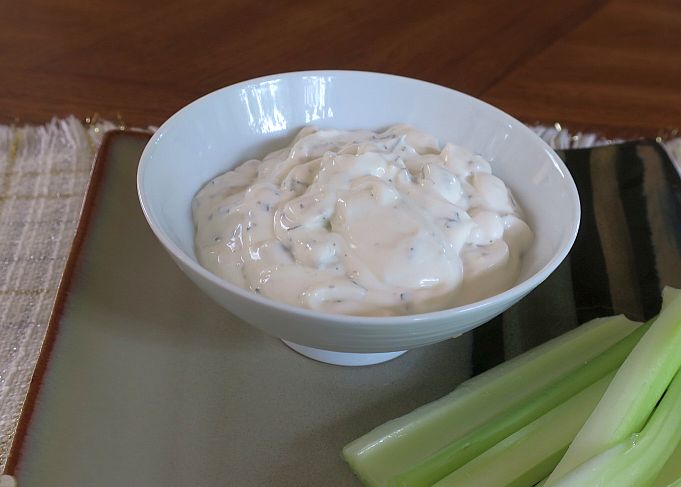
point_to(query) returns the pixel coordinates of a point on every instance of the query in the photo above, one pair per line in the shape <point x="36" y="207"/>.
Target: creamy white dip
<point x="363" y="223"/>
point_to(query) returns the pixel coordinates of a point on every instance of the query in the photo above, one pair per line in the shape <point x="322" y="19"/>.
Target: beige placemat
<point x="44" y="171"/>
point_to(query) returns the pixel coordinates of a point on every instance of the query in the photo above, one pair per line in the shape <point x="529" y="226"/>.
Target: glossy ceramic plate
<point x="146" y="382"/>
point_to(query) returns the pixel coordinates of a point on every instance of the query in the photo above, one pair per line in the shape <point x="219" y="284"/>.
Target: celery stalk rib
<point x="466" y="448"/>
<point x="633" y="393"/>
<point x="531" y="453"/>
<point x="637" y="460"/>
<point x="403" y="442"/>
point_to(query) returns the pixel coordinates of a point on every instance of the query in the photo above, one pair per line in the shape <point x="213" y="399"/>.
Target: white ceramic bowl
<point x="250" y="119"/>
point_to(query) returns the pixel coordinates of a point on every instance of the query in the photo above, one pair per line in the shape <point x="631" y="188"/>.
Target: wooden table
<point x="613" y="66"/>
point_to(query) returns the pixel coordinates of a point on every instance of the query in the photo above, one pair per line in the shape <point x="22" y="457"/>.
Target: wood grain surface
<point x="612" y="66"/>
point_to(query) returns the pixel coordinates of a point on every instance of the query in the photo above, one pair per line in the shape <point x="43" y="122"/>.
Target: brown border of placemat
<point x="62" y="293"/>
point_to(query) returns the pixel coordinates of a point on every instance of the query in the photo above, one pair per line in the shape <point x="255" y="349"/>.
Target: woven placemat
<point x="44" y="171"/>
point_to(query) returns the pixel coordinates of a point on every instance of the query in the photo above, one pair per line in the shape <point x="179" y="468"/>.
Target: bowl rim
<point x="512" y="294"/>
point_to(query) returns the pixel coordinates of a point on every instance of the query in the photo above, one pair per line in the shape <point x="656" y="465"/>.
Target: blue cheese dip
<point x="363" y="223"/>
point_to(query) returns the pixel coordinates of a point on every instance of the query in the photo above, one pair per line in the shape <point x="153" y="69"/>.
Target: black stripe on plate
<point x="589" y="273"/>
<point x="630" y="173"/>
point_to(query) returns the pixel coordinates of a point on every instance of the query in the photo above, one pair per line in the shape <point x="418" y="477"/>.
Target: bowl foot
<point x="343" y="358"/>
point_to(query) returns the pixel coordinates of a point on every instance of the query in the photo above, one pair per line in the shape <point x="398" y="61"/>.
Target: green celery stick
<point x="669" y="294"/>
<point x="671" y="471"/>
<point x="635" y="461"/>
<point x="531" y="453"/>
<point x="466" y="448"/>
<point x="670" y="475"/>
<point x="633" y="393"/>
<point x="403" y="442"/>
